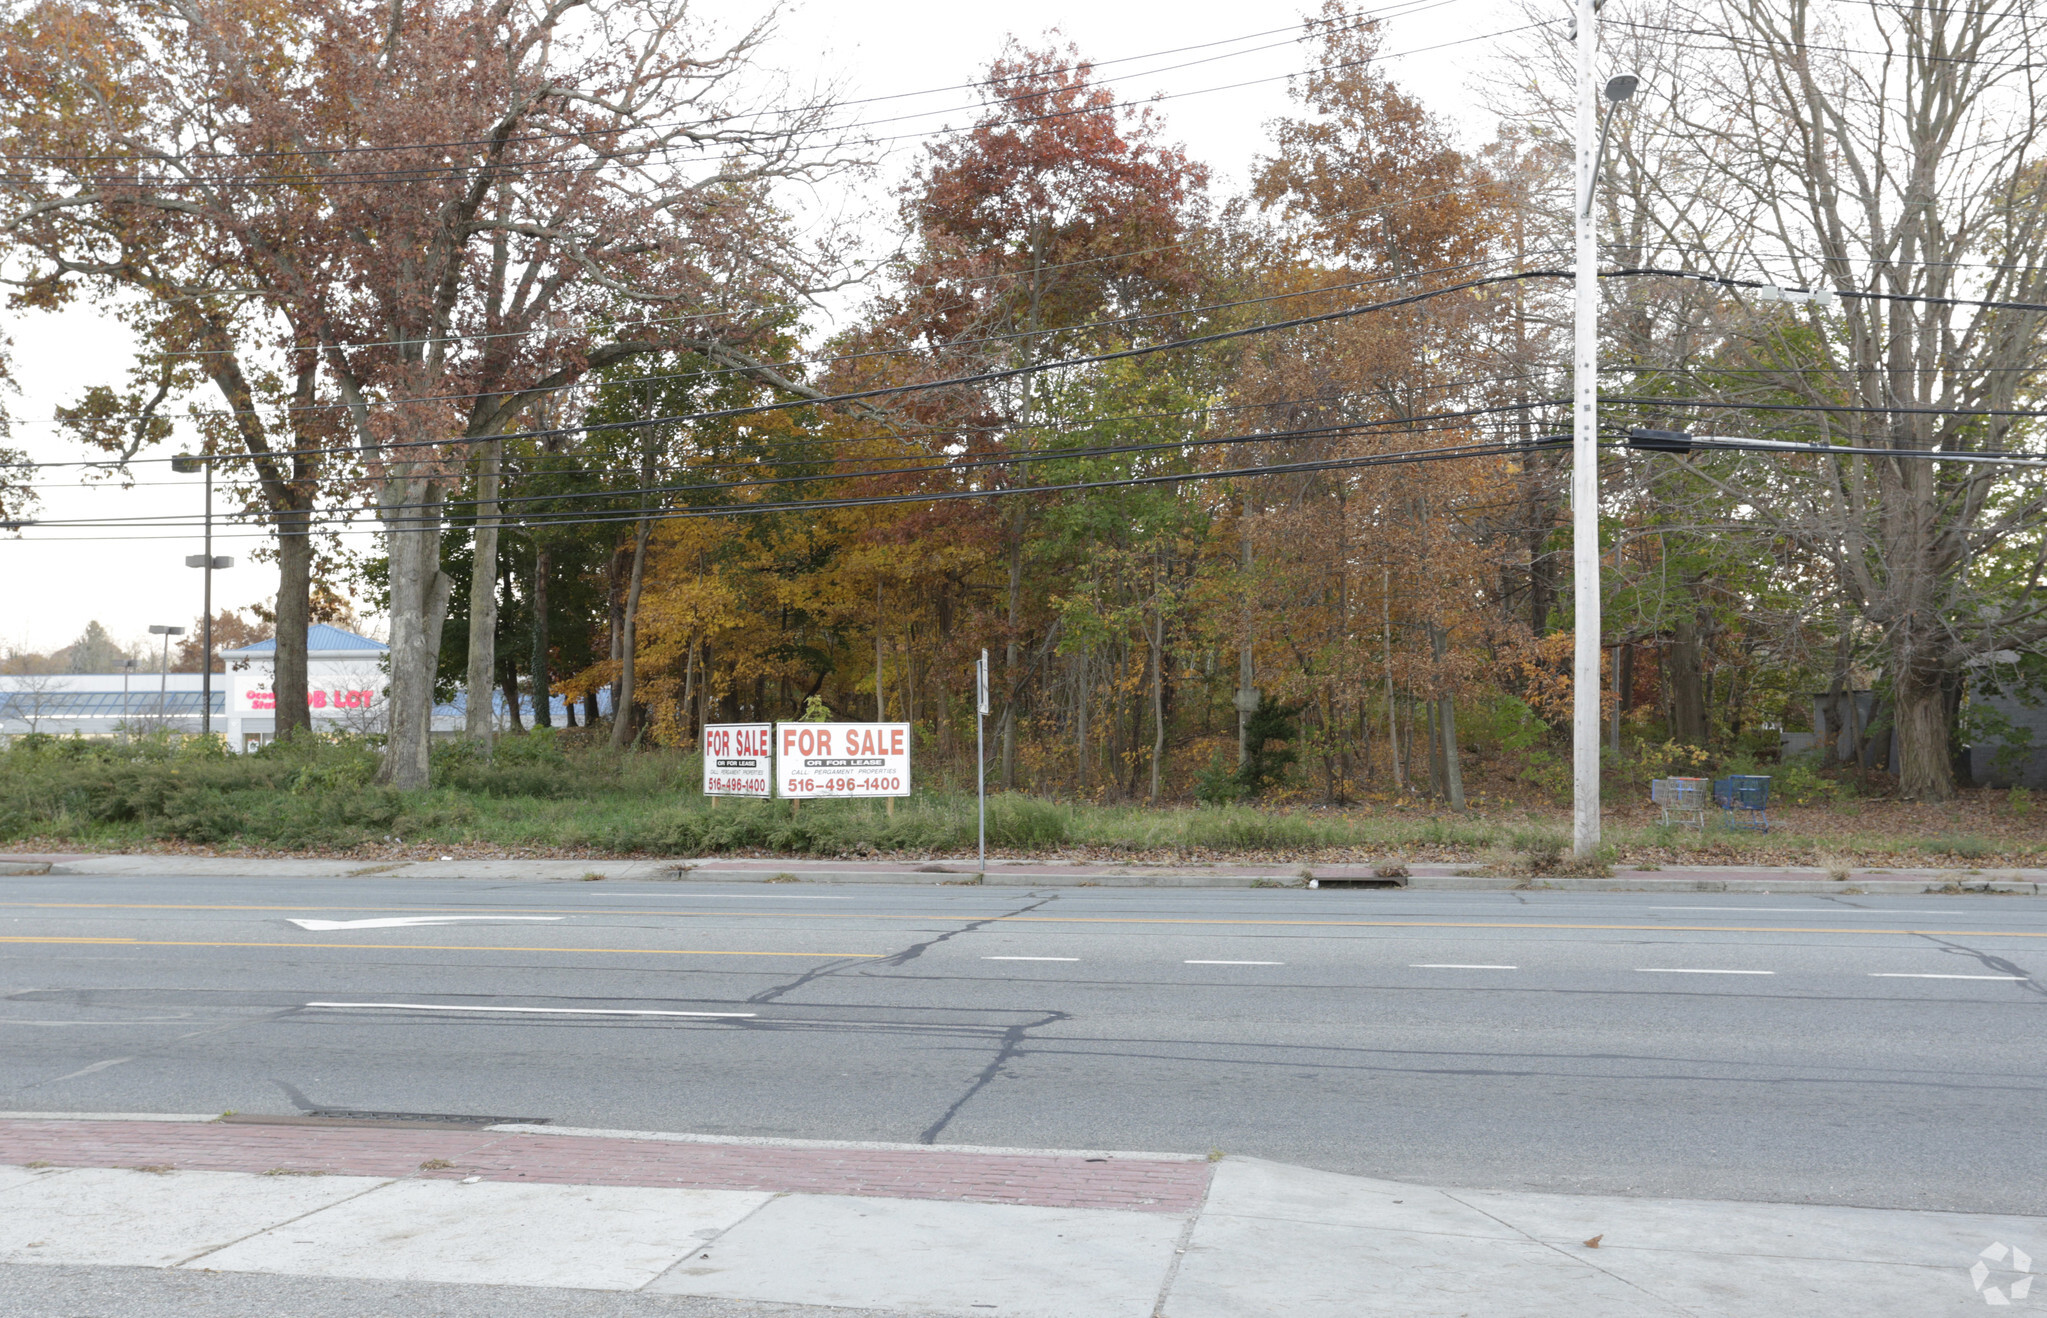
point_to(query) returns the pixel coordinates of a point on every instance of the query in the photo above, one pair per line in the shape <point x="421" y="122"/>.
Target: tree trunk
<point x="1011" y="653"/>
<point x="294" y="589"/>
<point x="483" y="606"/>
<point x="1446" y="725"/>
<point x="1682" y="667"/>
<point x="1158" y="683"/>
<point x="1925" y="772"/>
<point x="543" y="698"/>
<point x="614" y="595"/>
<point x="1246" y="659"/>
<point x="419" y="605"/>
<point x="880" y="699"/>
<point x="1435" y="750"/>
<point x="508" y="682"/>
<point x="622" y="710"/>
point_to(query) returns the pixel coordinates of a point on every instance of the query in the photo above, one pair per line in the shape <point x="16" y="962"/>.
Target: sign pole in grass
<point x="981" y="754"/>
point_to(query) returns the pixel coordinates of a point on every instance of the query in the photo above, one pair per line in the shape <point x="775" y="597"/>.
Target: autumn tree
<point x="460" y="207"/>
<point x="1058" y="209"/>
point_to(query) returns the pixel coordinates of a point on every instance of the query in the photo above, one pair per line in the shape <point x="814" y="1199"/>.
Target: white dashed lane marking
<point x="535" y="1011"/>
<point x="1684" y="970"/>
<point x="1896" y="974"/>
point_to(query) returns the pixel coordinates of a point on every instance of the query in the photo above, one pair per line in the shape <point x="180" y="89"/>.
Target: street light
<point x="1585" y="437"/>
<point x="188" y="463"/>
<point x="164" y="674"/>
<point x="127" y="668"/>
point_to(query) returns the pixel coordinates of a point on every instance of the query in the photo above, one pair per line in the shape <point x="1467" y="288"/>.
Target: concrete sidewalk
<point x="1043" y="874"/>
<point x="202" y="1216"/>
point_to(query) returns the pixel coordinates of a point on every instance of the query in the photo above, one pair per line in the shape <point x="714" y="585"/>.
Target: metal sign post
<point x="981" y="754"/>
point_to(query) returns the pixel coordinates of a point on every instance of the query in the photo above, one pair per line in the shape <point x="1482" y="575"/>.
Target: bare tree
<point x="1886" y="156"/>
<point x="34" y="697"/>
<point x="1889" y="154"/>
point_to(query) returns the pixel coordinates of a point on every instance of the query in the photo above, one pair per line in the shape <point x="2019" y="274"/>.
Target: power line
<point x="927" y="386"/>
<point x="948" y="465"/>
<point x="1309" y="23"/>
<point x="1411" y="457"/>
<point x="785" y="367"/>
<point x="462" y="171"/>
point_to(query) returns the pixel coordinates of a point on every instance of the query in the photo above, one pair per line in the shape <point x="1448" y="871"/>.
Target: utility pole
<point x="1585" y="456"/>
<point x="981" y="756"/>
<point x="187" y="462"/>
<point x="1585" y="702"/>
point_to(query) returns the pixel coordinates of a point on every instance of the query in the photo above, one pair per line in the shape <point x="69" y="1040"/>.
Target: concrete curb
<point x="1417" y="877"/>
<point x="1792" y="887"/>
<point x="765" y="1142"/>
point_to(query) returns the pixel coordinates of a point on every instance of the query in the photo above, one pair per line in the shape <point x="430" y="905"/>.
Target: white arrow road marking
<point x="394" y="922"/>
<point x="535" y="1011"/>
<point x="88" y="1070"/>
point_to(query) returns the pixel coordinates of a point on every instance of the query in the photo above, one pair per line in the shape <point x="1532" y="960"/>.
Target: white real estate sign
<point x="842" y="759"/>
<point x="737" y="758"/>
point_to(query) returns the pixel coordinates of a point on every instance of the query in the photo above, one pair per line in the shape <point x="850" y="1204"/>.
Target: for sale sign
<point x="842" y="759"/>
<point x="736" y="759"/>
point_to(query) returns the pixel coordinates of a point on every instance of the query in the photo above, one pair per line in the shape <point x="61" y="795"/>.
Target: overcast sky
<point x="1218" y="100"/>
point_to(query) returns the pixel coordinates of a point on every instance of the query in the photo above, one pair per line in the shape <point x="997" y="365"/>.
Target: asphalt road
<point x="1857" y="1050"/>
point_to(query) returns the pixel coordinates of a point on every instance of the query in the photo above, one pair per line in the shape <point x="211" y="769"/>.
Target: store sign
<point x="261" y="700"/>
<point x="842" y="759"/>
<point x="737" y="759"/>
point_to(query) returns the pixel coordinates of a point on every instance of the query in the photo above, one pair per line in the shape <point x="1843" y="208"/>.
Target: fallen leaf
<point x="1594" y="1242"/>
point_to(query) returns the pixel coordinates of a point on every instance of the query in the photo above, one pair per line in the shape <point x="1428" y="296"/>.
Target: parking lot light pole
<point x="189" y="462"/>
<point x="163" y="676"/>
<point x="127" y="667"/>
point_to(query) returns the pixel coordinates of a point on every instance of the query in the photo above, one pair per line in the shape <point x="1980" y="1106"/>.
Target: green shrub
<point x="1797" y="781"/>
<point x="1265" y="765"/>
<point x="1217" y="783"/>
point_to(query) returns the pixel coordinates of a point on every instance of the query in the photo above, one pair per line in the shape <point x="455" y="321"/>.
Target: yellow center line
<point x="429" y="947"/>
<point x="1043" y="919"/>
<point x="1530" y="924"/>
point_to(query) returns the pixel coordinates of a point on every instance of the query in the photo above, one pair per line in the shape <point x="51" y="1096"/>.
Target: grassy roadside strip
<point x="539" y="798"/>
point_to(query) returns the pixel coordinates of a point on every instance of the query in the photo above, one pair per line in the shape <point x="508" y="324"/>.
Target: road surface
<point x="1878" y="1051"/>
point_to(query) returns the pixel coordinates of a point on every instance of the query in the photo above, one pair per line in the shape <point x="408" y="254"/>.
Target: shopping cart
<point x="1683" y="800"/>
<point x="1746" y="799"/>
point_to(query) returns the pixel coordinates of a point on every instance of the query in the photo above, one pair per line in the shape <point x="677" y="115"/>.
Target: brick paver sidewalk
<point x="1041" y="1180"/>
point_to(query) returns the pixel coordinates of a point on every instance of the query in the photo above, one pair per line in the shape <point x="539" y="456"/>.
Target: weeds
<point x="552" y="794"/>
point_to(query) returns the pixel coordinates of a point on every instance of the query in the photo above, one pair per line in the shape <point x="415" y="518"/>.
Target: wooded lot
<point x="1245" y="495"/>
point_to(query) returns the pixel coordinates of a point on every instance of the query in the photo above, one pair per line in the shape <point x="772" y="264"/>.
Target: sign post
<point x="736" y="759"/>
<point x="981" y="756"/>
